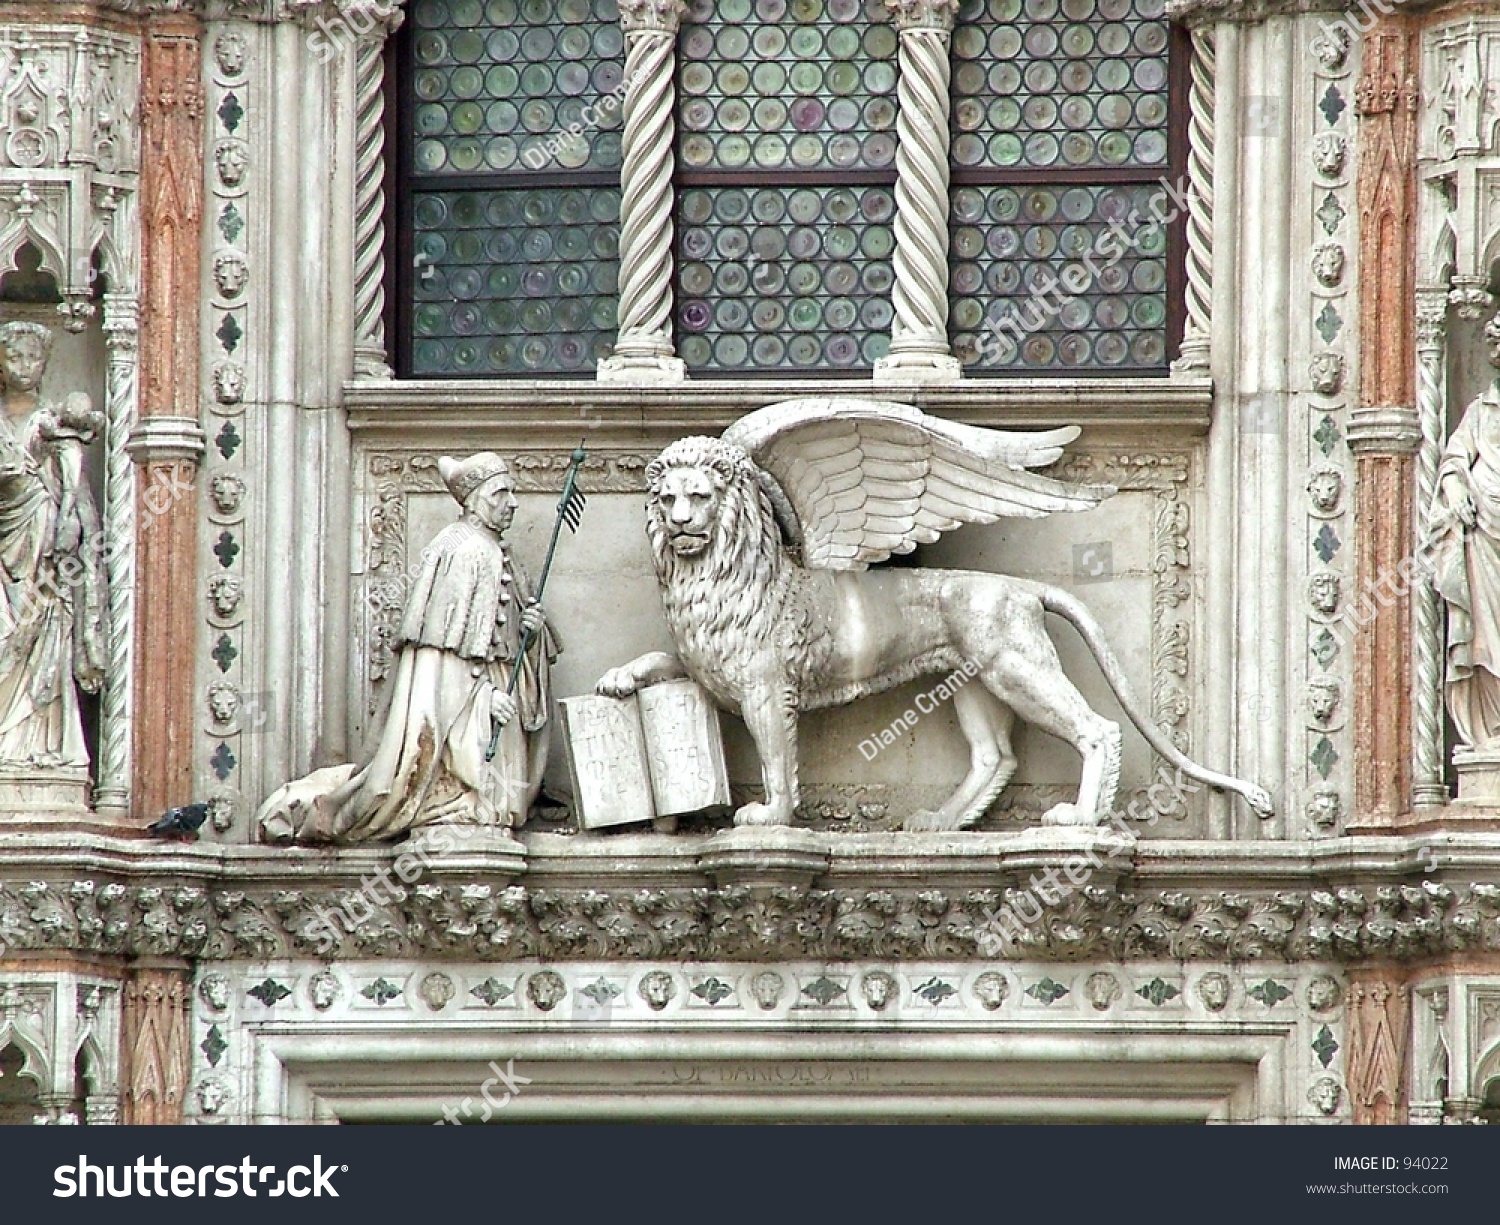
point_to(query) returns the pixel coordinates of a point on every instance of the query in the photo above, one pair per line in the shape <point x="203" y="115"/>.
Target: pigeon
<point x="180" y="824"/>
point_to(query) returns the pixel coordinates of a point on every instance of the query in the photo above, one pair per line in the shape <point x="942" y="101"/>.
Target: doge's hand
<point x="502" y="708"/>
<point x="533" y="620"/>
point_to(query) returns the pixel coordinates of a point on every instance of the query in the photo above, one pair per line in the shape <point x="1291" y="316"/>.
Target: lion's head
<point x="714" y="534"/>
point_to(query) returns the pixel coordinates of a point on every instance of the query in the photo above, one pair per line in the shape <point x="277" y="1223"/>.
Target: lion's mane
<point x="735" y="594"/>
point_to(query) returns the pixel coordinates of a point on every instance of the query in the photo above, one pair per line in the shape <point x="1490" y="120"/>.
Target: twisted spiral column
<point x="1200" y="220"/>
<point x="121" y="330"/>
<point x="643" y="351"/>
<point x="919" y="328"/>
<point x="1428" y="788"/>
<point x="369" y="198"/>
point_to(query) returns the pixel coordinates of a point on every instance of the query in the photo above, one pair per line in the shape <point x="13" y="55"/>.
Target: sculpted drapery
<point x="1464" y="539"/>
<point x="51" y="584"/>
<point x="467" y="608"/>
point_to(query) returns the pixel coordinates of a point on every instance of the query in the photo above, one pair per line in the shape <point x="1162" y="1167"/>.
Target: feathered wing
<point x="869" y="478"/>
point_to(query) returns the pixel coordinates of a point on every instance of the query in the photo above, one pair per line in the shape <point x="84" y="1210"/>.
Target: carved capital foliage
<point x="662" y="16"/>
<point x="923" y="14"/>
<point x="474" y="919"/>
<point x="363" y="18"/>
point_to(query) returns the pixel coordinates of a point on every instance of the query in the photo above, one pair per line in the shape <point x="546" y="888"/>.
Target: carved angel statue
<point x="762" y="542"/>
<point x="467" y="608"/>
<point x="51" y="550"/>
<point x="1464" y="544"/>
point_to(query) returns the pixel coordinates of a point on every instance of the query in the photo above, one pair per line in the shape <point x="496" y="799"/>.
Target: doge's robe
<point x="1466" y="572"/>
<point x="458" y="640"/>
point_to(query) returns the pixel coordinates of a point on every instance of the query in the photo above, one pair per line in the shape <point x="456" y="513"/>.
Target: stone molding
<point x="166" y="440"/>
<point x="881" y="896"/>
<point x="1203" y="12"/>
<point x="1387" y="430"/>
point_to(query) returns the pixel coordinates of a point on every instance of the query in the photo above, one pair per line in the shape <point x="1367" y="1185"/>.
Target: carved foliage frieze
<point x="495" y="922"/>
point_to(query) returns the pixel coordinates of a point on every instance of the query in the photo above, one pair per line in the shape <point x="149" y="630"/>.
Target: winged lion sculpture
<point x="762" y="542"/>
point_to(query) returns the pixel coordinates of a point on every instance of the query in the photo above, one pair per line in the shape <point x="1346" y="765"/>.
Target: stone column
<point x="919" y="331"/>
<point x="167" y="441"/>
<point x="1384" y="431"/>
<point x="1428" y="787"/>
<point x="121" y="331"/>
<point x="1379" y="1018"/>
<point x="384" y="17"/>
<point x="643" y="351"/>
<point x="1194" y="358"/>
<point x="155" y="1045"/>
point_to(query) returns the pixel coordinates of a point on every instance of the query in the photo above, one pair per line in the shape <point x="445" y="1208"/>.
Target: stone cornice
<point x="739" y="896"/>
<point x="1202" y="12"/>
<point x="542" y="411"/>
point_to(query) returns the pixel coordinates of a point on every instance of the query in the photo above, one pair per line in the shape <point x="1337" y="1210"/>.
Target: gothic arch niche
<point x="20" y="1084"/>
<point x="29" y="292"/>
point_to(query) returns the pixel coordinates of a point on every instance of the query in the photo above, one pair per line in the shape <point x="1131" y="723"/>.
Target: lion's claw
<point x="761" y="814"/>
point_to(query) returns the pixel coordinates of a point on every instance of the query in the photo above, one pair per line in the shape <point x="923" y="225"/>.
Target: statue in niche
<point x="759" y="540"/>
<point x="1464" y="547"/>
<point x="51" y="561"/>
<point x="466" y="611"/>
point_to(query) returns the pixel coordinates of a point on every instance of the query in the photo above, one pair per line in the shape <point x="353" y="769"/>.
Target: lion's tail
<point x="1076" y="614"/>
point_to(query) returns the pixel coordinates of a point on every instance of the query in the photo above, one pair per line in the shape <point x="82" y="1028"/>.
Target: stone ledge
<point x="533" y="412"/>
<point x="762" y="894"/>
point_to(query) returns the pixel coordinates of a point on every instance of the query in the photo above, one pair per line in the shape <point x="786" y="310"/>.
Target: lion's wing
<point x="869" y="478"/>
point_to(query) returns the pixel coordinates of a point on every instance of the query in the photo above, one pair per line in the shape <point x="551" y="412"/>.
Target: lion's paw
<point x="925" y="822"/>
<point x="1066" y="814"/>
<point x="761" y="814"/>
<point x="617" y="683"/>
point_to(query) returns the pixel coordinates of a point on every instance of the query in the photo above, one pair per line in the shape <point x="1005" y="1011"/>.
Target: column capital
<point x="1388" y="430"/>
<point x="164" y="439"/>
<point x="923" y="14"/>
<point x="645" y="16"/>
<point x="1432" y="319"/>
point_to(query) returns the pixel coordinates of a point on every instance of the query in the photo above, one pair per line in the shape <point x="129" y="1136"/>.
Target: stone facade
<point x="218" y="209"/>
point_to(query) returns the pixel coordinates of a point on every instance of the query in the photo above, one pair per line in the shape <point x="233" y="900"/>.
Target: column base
<point x="652" y="368"/>
<point x="1478" y="776"/>
<point x="918" y="367"/>
<point x="43" y="795"/>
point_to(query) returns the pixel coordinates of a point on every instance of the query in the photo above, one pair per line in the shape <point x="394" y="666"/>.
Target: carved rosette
<point x="919" y="330"/>
<point x="1200" y="219"/>
<point x="643" y="349"/>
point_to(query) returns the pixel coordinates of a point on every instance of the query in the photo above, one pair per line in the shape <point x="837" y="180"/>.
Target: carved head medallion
<point x="657" y="988"/>
<point x="1325" y="486"/>
<point x="231" y="273"/>
<point x="1326" y="371"/>
<point x="1213" y="990"/>
<point x="1325" y="1094"/>
<point x="990" y="989"/>
<point x="231" y="157"/>
<point x="223" y="702"/>
<point x="1102" y="990"/>
<point x="767" y="987"/>
<point x="878" y="988"/>
<point x="324" y="990"/>
<point x="1324" y="809"/>
<point x="1330" y="151"/>
<point x="1324" y="590"/>
<point x="229" y="382"/>
<point x="1324" y="993"/>
<point x="1328" y="263"/>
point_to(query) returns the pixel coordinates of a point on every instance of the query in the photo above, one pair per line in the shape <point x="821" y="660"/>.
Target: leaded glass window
<point x="1061" y="128"/>
<point x="786" y="185"/>
<point x="511" y="214"/>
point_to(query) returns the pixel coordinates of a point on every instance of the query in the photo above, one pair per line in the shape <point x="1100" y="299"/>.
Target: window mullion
<point x="643" y="351"/>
